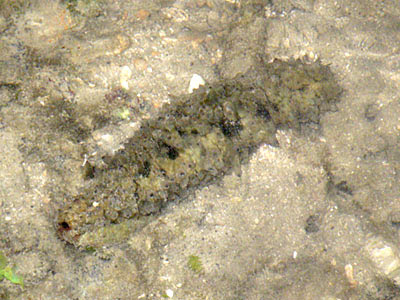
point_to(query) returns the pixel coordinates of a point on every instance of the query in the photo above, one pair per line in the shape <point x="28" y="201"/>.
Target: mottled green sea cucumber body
<point x="196" y="140"/>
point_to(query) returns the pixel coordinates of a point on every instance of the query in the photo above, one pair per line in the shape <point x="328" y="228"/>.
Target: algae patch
<point x="195" y="141"/>
<point x="195" y="264"/>
<point x="8" y="272"/>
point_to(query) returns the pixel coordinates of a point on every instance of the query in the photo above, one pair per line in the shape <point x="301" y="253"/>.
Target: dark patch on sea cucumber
<point x="196" y="140"/>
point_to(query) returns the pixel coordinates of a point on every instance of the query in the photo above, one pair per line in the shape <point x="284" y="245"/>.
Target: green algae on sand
<point x="196" y="140"/>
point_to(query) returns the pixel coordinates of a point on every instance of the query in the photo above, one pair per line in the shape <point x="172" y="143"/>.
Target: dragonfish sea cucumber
<point x="197" y="139"/>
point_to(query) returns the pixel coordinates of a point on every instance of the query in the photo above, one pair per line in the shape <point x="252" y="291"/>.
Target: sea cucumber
<point x="196" y="140"/>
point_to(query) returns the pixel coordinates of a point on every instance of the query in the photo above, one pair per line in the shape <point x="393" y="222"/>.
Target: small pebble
<point x="169" y="76"/>
<point x="176" y="14"/>
<point x="201" y="3"/>
<point x="195" y="83"/>
<point x="142" y="14"/>
<point x="386" y="258"/>
<point x="125" y="75"/>
<point x="105" y="138"/>
<point x="169" y="293"/>
<point x="140" y="64"/>
<point x="348" y="269"/>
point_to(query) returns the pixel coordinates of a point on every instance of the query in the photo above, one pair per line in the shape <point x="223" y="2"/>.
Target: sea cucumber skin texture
<point x="196" y="140"/>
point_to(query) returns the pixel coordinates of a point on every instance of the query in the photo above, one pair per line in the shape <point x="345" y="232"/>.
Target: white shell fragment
<point x="169" y="293"/>
<point x="195" y="83"/>
<point x="125" y="75"/>
<point x="349" y="271"/>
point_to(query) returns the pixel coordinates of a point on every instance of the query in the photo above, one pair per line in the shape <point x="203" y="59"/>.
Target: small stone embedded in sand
<point x="88" y="51"/>
<point x="142" y="14"/>
<point x="125" y="75"/>
<point x="201" y="3"/>
<point x="385" y="256"/>
<point x="169" y="293"/>
<point x="195" y="82"/>
<point x="140" y="64"/>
